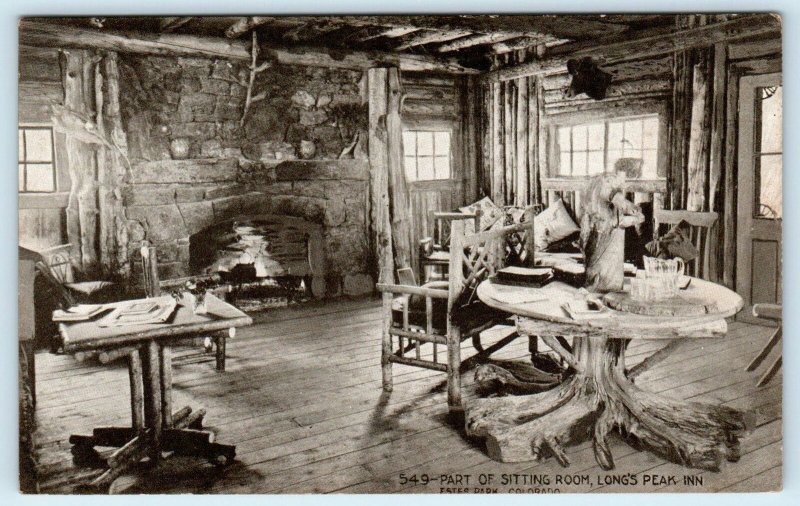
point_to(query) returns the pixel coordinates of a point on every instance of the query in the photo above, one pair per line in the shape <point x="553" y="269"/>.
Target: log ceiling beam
<point x="476" y="40"/>
<point x="430" y="37"/>
<point x="565" y="26"/>
<point x="33" y="33"/>
<point x="391" y="33"/>
<point x="642" y="44"/>
<point x="170" y="24"/>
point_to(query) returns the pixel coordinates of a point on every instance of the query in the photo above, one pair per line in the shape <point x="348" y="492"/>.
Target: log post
<point x="81" y="161"/>
<point x="699" y="138"/>
<point x="401" y="225"/>
<point x="498" y="152"/>
<point x="522" y="170"/>
<point x="379" y="175"/>
<point x="112" y="174"/>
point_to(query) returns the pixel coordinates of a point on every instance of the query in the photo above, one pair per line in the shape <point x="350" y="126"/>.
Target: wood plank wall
<point x="41" y="217"/>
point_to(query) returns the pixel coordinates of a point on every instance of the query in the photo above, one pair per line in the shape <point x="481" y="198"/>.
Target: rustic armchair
<point x="444" y="313"/>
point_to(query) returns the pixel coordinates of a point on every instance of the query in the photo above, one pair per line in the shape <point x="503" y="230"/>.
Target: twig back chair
<point x="703" y="235"/>
<point x="58" y="261"/>
<point x="447" y="313"/>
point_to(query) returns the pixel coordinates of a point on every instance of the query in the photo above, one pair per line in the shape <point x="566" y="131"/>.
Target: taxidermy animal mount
<point x="587" y="78"/>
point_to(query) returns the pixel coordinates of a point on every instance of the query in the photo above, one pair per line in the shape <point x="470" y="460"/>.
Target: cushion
<point x="491" y="215"/>
<point x="467" y="314"/>
<point x="552" y="225"/>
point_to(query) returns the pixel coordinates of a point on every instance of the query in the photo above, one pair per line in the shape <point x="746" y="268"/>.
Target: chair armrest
<point x="412" y="290"/>
<point x="768" y="311"/>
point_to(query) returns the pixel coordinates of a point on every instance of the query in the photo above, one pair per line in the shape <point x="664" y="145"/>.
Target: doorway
<point x="760" y="189"/>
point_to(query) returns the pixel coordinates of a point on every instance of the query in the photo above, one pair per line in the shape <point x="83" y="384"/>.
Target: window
<point x="593" y="148"/>
<point x="427" y="154"/>
<point x="768" y="153"/>
<point x="36" y="160"/>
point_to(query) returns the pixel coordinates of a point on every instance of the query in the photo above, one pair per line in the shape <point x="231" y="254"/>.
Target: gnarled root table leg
<point x="596" y="400"/>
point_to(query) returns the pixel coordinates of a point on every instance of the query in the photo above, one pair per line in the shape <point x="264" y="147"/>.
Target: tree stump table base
<point x="598" y="399"/>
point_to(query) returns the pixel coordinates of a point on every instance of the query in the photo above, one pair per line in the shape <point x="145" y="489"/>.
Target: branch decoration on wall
<point x="255" y="69"/>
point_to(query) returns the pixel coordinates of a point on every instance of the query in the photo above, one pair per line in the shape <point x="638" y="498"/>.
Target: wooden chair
<point x="58" y="261"/>
<point x="774" y="313"/>
<point x="703" y="235"/>
<point x="448" y="312"/>
<point x="433" y="250"/>
<point x="153" y="288"/>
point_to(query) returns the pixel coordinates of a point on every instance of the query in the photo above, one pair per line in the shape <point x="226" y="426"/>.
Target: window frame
<point x="554" y="120"/>
<point x="22" y="159"/>
<point x="436" y="125"/>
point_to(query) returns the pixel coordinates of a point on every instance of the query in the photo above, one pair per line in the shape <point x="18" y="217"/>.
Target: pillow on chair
<point x="491" y="215"/>
<point x="552" y="225"/>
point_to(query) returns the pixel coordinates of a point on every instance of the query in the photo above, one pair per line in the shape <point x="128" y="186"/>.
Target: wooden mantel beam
<point x="642" y="44"/>
<point x="566" y="26"/>
<point x="32" y="33"/>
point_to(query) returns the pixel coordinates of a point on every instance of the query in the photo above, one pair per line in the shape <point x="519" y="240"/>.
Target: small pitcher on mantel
<point x="606" y="212"/>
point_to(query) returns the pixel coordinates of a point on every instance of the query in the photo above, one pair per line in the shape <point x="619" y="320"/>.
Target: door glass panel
<point x="768" y="153"/>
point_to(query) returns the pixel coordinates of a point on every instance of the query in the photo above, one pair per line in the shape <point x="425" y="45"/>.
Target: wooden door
<point x="760" y="204"/>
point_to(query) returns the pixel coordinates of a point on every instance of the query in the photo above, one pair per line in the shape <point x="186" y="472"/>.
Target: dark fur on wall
<point x="587" y="78"/>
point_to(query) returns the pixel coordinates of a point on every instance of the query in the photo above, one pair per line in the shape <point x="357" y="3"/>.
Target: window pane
<point x="579" y="138"/>
<point x="596" y="162"/>
<point x="40" y="177"/>
<point x="425" y="168"/>
<point x="563" y="138"/>
<point x="21" y="186"/>
<point x="442" y="166"/>
<point x="650" y="165"/>
<point x="771" y="116"/>
<point x="597" y="134"/>
<point x="650" y="140"/>
<point x="409" y="143"/>
<point x="615" y="136"/>
<point x="770" y="203"/>
<point x="564" y="164"/>
<point x="633" y="135"/>
<point x="424" y="143"/>
<point x="441" y="141"/>
<point x="38" y="145"/>
<point x="579" y="163"/>
<point x="21" y="145"/>
<point x="613" y="156"/>
<point x="411" y="168"/>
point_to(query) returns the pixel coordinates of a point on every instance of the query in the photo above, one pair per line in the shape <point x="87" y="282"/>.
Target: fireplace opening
<point x="260" y="261"/>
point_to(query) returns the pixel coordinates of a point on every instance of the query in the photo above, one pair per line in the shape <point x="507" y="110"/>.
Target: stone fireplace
<point x="194" y="167"/>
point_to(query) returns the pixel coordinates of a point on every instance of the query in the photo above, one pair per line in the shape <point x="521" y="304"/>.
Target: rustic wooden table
<point x="601" y="396"/>
<point x="154" y="428"/>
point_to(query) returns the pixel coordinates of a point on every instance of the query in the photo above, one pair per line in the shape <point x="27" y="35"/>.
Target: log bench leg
<point x="598" y="399"/>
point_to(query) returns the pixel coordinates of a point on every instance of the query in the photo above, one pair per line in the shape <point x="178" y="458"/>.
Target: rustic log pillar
<point x="81" y="160"/>
<point x="401" y="222"/>
<point x="112" y="167"/>
<point x="699" y="136"/>
<point x="379" y="175"/>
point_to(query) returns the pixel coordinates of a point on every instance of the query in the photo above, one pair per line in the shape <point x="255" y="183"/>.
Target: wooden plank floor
<point x="302" y="400"/>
